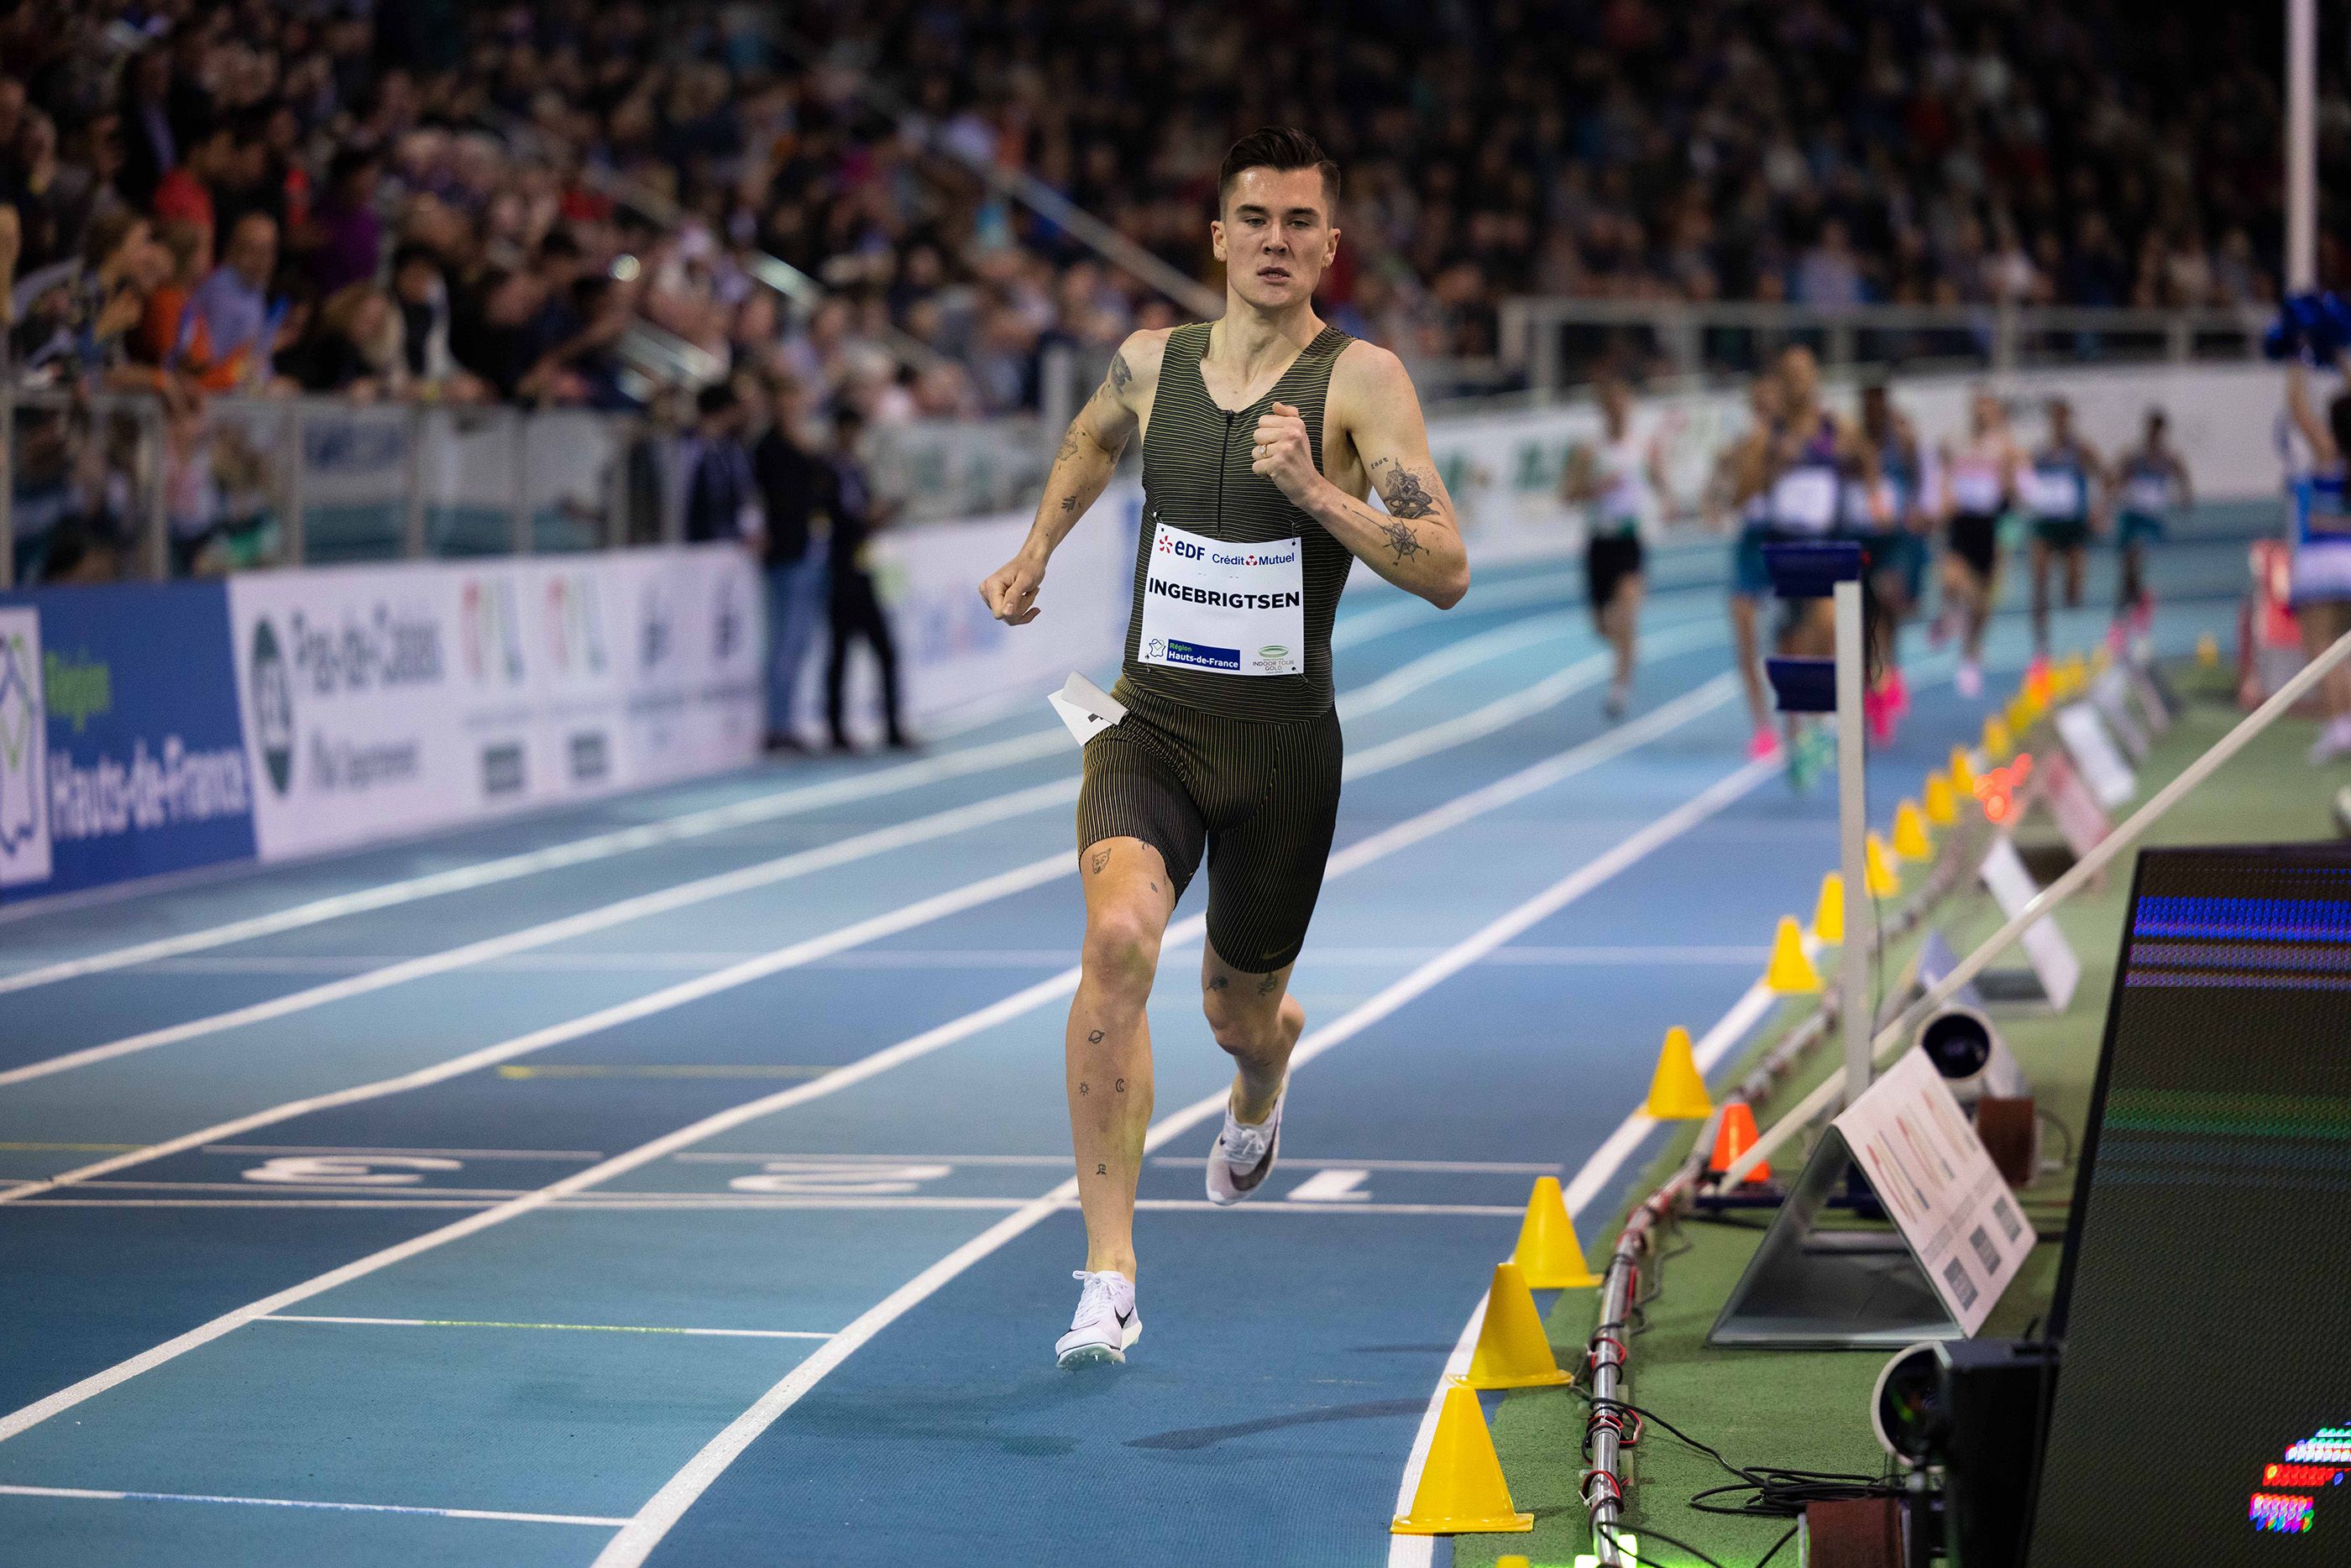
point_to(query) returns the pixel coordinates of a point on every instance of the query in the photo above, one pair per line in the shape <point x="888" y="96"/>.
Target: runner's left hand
<point x="1281" y="453"/>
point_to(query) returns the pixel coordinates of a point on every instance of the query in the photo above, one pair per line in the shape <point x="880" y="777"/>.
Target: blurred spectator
<point x="795" y="486"/>
<point x="856" y="607"/>
<point x="722" y="499"/>
<point x="231" y="308"/>
<point x="351" y="345"/>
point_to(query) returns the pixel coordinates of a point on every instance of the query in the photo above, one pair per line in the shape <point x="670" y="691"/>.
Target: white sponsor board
<point x="2081" y="727"/>
<point x="2045" y="947"/>
<point x="24" y="733"/>
<point x="953" y="654"/>
<point x="1940" y="1189"/>
<point x="381" y="700"/>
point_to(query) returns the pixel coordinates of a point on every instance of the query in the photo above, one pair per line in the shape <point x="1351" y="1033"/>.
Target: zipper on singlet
<point x="1224" y="460"/>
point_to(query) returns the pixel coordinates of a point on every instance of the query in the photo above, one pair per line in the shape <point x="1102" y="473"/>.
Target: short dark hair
<point x="1278" y="147"/>
<point x="717" y="398"/>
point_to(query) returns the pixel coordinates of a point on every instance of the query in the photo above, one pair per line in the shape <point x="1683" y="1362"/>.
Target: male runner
<point x="2154" y="484"/>
<point x="1616" y="483"/>
<point x="1807" y="461"/>
<point x="1262" y="431"/>
<point x="1885" y="515"/>
<point x="1980" y="478"/>
<point x="2067" y="485"/>
<point x="1741" y="472"/>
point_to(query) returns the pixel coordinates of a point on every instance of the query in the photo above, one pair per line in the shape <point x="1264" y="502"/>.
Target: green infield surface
<point x="1808" y="1409"/>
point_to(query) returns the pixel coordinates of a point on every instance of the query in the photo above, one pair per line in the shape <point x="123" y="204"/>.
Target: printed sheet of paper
<point x="1086" y="708"/>
<point x="1927" y="1167"/>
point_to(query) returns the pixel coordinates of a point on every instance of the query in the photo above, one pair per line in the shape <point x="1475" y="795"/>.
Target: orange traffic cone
<point x="1461" y="1490"/>
<point x="1513" y="1351"/>
<point x="1733" y="1137"/>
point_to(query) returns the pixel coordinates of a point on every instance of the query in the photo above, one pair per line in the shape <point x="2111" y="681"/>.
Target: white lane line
<point x="242" y="1149"/>
<point x="1458" y="731"/>
<point x="1548" y="692"/>
<point x="1435" y="1166"/>
<point x="1028" y="1000"/>
<point x="1596" y="1172"/>
<point x="561" y="1327"/>
<point x="1382" y="693"/>
<point x="1480" y="722"/>
<point x="637" y="1540"/>
<point x="1420" y="1550"/>
<point x="644" y="905"/>
<point x="1577" y="957"/>
<point x="906" y="916"/>
<point x="579" y="851"/>
<point x="87" y="1495"/>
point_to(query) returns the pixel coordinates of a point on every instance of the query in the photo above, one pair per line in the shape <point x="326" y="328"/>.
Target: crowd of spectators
<point x="486" y="200"/>
<point x="727" y="212"/>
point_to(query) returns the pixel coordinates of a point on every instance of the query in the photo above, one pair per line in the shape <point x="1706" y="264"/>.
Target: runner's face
<point x="1274" y="237"/>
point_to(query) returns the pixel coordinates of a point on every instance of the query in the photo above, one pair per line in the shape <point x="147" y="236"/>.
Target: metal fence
<point x="1555" y="343"/>
<point x="121" y="484"/>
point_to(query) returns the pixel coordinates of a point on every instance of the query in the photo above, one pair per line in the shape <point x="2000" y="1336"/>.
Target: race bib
<point x="1210" y="604"/>
<point x="2057" y="493"/>
<point x="1805" y="498"/>
<point x="1975" y="490"/>
<point x="2148" y="492"/>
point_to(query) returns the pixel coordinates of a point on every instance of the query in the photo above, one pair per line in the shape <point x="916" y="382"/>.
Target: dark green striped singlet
<point x="1242" y="768"/>
<point x="1197" y="477"/>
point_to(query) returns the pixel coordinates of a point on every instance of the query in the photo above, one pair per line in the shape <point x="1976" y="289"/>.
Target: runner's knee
<point x="1121" y="947"/>
<point x="1245" y="1025"/>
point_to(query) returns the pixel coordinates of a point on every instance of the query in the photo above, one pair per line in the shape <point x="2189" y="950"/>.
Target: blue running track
<point x="680" y="1180"/>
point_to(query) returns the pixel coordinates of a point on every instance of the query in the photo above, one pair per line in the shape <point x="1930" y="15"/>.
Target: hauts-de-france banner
<point x="121" y="751"/>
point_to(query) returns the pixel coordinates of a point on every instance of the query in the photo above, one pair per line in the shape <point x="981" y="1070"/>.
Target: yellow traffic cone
<point x="1461" y="1490"/>
<point x="1942" y="805"/>
<point x="2208" y="651"/>
<point x="1514" y="1561"/>
<point x="1790" y="973"/>
<point x="1910" y="840"/>
<point x="1512" y="1350"/>
<point x="1828" y="913"/>
<point x="1676" y="1091"/>
<point x="1878" y="870"/>
<point x="2076" y="672"/>
<point x="1548" y="1255"/>
<point x="1963" y="772"/>
<point x="1995" y="743"/>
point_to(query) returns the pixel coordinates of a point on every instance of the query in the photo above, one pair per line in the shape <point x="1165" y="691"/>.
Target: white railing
<point x="1556" y="342"/>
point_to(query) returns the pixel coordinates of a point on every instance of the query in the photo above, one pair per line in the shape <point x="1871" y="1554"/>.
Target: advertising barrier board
<point x="119" y="749"/>
<point x="381" y="700"/>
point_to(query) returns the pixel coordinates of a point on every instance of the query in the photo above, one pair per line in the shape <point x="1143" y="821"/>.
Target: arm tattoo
<point x="1265" y="987"/>
<point x="1097" y="860"/>
<point x="1069" y="504"/>
<point x="1218" y="982"/>
<point x="1093" y="1037"/>
<point x="1120" y="372"/>
<point x="1406" y="495"/>
<point x="1402" y="541"/>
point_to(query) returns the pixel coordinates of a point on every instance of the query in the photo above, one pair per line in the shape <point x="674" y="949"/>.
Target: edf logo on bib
<point x="1183" y="549"/>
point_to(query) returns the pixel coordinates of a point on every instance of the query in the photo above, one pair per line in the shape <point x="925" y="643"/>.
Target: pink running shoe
<point x="2117" y="637"/>
<point x="1877" y="710"/>
<point x="1764" y="744"/>
<point x="1898" y="692"/>
<point x="2143" y="618"/>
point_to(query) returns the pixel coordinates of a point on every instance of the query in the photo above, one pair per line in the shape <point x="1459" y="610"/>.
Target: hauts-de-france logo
<point x="272" y="696"/>
<point x="24" y="836"/>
